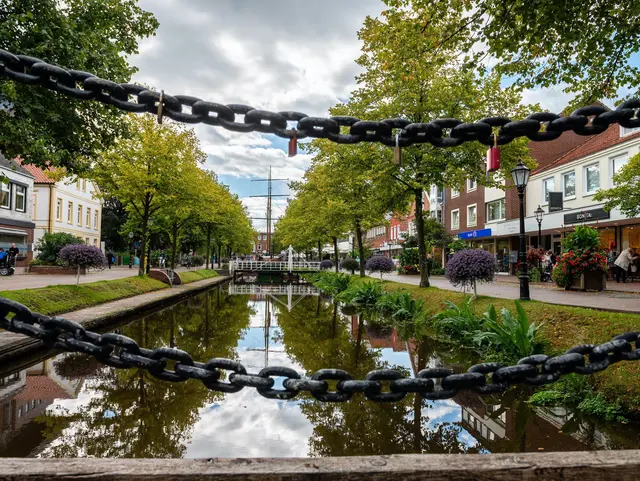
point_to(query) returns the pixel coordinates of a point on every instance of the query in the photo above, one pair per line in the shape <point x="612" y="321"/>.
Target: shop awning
<point x="6" y="230"/>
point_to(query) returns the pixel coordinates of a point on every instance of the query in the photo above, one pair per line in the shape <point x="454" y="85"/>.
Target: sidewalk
<point x="605" y="300"/>
<point x="612" y="285"/>
<point x="32" y="281"/>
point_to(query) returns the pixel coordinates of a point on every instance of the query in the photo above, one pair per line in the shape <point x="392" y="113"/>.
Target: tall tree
<point x="625" y="194"/>
<point x="587" y="48"/>
<point x="150" y="170"/>
<point x="401" y="80"/>
<point x="89" y="35"/>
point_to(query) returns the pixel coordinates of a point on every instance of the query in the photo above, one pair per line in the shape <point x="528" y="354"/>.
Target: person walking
<point x="623" y="262"/>
<point x="109" y="259"/>
<point x="13" y="254"/>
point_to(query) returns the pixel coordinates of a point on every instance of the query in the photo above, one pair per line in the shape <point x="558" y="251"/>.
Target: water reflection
<point x="73" y="406"/>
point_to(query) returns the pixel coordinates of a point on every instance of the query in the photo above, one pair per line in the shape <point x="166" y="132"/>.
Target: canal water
<point x="71" y="406"/>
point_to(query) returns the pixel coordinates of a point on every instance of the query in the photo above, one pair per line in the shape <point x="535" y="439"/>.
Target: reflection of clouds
<point x="445" y="411"/>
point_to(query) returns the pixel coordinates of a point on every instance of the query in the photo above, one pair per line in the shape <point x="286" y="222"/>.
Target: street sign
<point x="555" y="201"/>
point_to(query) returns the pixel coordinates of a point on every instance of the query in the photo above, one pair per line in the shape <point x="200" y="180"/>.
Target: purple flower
<point x="81" y="255"/>
<point x="380" y="264"/>
<point x="469" y="266"/>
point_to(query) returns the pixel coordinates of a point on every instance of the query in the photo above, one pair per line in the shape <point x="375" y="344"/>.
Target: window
<point x="496" y="210"/>
<point x="569" y="184"/>
<point x="95" y="219"/>
<point x="19" y="412"/>
<point x="472" y="215"/>
<point x="628" y="130"/>
<point x="79" y="214"/>
<point x="86" y="240"/>
<point x="618" y="163"/>
<point x="20" y="193"/>
<point x="95" y="242"/>
<point x="59" y="209"/>
<point x="33" y="403"/>
<point x="455" y="219"/>
<point x="454" y="192"/>
<point x="88" y="218"/>
<point x="259" y="247"/>
<point x="70" y="212"/>
<point x="78" y="184"/>
<point x="5" y="196"/>
<point x="439" y="215"/>
<point x="84" y="185"/>
<point x="591" y="178"/>
<point x="472" y="184"/>
<point x="548" y="185"/>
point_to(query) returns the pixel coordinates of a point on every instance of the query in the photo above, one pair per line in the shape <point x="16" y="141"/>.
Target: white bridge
<point x="290" y="265"/>
<point x="300" y="291"/>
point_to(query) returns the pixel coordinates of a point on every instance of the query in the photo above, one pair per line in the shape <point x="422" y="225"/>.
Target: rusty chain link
<point x="541" y="126"/>
<point x="122" y="352"/>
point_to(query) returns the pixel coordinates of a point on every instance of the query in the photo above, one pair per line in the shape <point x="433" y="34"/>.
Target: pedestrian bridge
<point x="274" y="266"/>
<point x="274" y="289"/>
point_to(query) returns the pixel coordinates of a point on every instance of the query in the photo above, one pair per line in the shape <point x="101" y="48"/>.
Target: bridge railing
<point x="267" y="266"/>
<point x="275" y="289"/>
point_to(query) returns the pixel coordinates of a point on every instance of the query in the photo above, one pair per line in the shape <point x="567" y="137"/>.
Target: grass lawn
<point x="564" y="327"/>
<point x="58" y="299"/>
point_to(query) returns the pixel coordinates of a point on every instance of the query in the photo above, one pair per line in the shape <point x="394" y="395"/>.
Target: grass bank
<point x="67" y="298"/>
<point x="564" y="327"/>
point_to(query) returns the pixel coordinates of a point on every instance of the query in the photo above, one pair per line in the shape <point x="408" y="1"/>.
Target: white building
<point x="16" y="210"/>
<point x="66" y="205"/>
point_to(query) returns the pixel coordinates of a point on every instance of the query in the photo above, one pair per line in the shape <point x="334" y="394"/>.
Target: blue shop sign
<point x="475" y="234"/>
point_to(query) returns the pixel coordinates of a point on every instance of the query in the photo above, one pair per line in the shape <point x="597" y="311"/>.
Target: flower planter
<point x="590" y="281"/>
<point x="55" y="270"/>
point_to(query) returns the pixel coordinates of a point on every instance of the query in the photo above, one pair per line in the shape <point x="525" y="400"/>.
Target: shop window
<point x="496" y="210"/>
<point x="20" y="201"/>
<point x="455" y="219"/>
<point x="5" y="196"/>
<point x="630" y="237"/>
<point x="569" y="185"/>
<point x="617" y="163"/>
<point x="472" y="215"/>
<point x="548" y="185"/>
<point x="591" y="178"/>
<point x="472" y="184"/>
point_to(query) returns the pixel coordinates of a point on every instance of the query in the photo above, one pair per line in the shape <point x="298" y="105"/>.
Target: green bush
<point x="535" y="275"/>
<point x="513" y="336"/>
<point x="458" y="321"/>
<point x="364" y="296"/>
<point x="49" y="246"/>
<point x="349" y="264"/>
<point x="409" y="257"/>
<point x="407" y="314"/>
<point x="437" y="271"/>
<point x="332" y="283"/>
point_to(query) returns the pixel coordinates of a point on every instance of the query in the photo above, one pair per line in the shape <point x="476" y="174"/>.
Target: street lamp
<point x="520" y="174"/>
<point x="130" y="250"/>
<point x="539" y="213"/>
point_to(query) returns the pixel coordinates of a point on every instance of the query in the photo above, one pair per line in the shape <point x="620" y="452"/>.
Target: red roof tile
<point x="39" y="175"/>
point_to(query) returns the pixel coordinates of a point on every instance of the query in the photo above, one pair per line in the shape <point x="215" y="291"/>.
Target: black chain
<point x="541" y="126"/>
<point x="123" y="352"/>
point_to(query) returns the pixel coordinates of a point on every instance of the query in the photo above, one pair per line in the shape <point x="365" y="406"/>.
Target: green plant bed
<point x="193" y="276"/>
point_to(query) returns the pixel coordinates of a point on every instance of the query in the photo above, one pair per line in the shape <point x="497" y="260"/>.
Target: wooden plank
<point x="576" y="466"/>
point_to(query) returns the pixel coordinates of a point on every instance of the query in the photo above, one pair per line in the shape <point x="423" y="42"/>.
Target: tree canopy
<point x="625" y="194"/>
<point x="88" y="35"/>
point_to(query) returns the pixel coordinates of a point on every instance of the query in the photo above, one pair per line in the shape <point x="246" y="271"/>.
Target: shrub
<point x="513" y="336"/>
<point x="458" y="321"/>
<point x="410" y="269"/>
<point x="534" y="257"/>
<point x="535" y="274"/>
<point x="49" y="246"/>
<point x="331" y="283"/>
<point x="469" y="266"/>
<point x="573" y="263"/>
<point x="437" y="271"/>
<point x="380" y="264"/>
<point x="457" y="245"/>
<point x="81" y="255"/>
<point x="409" y="257"/>
<point x="407" y="314"/>
<point x="326" y="264"/>
<point x="349" y="264"/>
<point x="196" y="260"/>
<point x="364" y="296"/>
<point x="582" y="238"/>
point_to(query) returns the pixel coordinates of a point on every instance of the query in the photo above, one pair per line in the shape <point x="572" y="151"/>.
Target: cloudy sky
<point x="271" y="54"/>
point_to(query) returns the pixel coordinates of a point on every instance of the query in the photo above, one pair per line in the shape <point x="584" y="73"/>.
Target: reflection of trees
<point x="133" y="414"/>
<point x="357" y="427"/>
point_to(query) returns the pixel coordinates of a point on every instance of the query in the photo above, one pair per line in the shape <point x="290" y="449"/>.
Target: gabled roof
<point x="591" y="145"/>
<point x="14" y="166"/>
<point x="39" y="175"/>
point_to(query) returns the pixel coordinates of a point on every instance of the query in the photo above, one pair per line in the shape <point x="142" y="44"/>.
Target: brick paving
<point x="605" y="300"/>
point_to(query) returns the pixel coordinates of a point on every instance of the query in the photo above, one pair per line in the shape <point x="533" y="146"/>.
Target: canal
<point x="69" y="405"/>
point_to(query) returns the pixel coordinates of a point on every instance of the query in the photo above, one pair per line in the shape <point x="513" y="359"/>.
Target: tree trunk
<point x="143" y="246"/>
<point x="78" y="277"/>
<point x="319" y="251"/>
<point x="335" y="252"/>
<point x="208" y="246"/>
<point x="219" y="253"/>
<point x="360" y="248"/>
<point x="422" y="250"/>
<point x="174" y="245"/>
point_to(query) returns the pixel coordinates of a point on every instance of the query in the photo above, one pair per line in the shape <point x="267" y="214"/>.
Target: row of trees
<point x="154" y="175"/>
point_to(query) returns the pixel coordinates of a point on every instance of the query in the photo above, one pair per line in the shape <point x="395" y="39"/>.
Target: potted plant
<point x="583" y="265"/>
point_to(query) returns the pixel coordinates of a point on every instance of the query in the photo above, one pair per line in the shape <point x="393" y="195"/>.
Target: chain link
<point x="541" y="126"/>
<point x="382" y="385"/>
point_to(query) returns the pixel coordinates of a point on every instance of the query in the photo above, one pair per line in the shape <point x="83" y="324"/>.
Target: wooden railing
<point x="566" y="466"/>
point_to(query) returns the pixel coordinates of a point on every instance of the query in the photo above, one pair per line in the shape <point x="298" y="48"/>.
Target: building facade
<point x="16" y="211"/>
<point x="68" y="205"/>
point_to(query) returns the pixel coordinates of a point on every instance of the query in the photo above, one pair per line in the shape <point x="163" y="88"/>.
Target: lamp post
<point x="539" y="213"/>
<point x="130" y="250"/>
<point x="520" y="176"/>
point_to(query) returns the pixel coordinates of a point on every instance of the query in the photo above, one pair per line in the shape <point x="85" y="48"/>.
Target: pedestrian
<point x="109" y="259"/>
<point x="13" y="254"/>
<point x="623" y="262"/>
<point x="3" y="255"/>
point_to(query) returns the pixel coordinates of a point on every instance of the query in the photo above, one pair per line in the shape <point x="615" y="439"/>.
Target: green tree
<point x="625" y="194"/>
<point x="89" y="35"/>
<point x="400" y="80"/>
<point x="150" y="171"/>
<point x="586" y="48"/>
